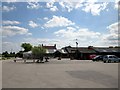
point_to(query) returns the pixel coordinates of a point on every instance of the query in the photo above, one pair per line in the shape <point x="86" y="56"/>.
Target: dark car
<point x="98" y="58"/>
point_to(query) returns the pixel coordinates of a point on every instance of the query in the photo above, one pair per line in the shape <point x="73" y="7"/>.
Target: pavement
<point x="63" y="73"/>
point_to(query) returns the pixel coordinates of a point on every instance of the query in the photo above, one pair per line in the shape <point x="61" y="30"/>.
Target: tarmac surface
<point x="59" y="74"/>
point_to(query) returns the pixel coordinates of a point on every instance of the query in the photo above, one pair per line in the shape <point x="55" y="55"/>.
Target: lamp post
<point x="76" y="49"/>
<point x="76" y="44"/>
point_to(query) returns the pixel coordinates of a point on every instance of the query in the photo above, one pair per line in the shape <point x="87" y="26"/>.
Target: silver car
<point x="110" y="58"/>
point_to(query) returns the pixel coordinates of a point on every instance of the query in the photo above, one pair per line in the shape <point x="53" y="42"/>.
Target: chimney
<point x="90" y="47"/>
<point x="110" y="46"/>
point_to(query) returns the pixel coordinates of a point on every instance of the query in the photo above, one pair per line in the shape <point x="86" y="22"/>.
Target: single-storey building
<point x="50" y="50"/>
<point x="61" y="53"/>
<point x="27" y="55"/>
<point x="107" y="50"/>
<point x="79" y="52"/>
<point x="83" y="53"/>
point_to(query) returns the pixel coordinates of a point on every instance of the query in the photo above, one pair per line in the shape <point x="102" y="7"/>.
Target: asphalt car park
<point x="63" y="73"/>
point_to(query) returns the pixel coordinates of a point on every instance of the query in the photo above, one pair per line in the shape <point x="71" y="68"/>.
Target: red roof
<point x="49" y="47"/>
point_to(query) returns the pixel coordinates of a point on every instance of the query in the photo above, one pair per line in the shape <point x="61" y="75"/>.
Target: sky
<point x="61" y="23"/>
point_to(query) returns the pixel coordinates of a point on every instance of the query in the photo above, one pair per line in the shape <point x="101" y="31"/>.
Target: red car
<point x="92" y="56"/>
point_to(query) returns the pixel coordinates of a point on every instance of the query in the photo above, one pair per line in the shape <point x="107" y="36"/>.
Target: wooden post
<point x="24" y="61"/>
<point x="33" y="60"/>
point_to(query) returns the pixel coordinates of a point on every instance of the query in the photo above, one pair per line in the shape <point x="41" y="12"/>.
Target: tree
<point x="27" y="47"/>
<point x="12" y="54"/>
<point x="38" y="52"/>
<point x="5" y="54"/>
<point x="19" y="54"/>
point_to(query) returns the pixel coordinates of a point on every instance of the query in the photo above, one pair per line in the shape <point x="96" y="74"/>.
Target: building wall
<point x="50" y="50"/>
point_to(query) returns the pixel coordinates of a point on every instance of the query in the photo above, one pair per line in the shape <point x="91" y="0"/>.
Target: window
<point x="114" y="57"/>
<point x="104" y="50"/>
<point x="110" y="56"/>
<point x="105" y="56"/>
<point x="114" y="50"/>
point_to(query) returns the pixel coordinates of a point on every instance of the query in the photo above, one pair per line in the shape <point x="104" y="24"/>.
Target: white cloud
<point x="113" y="34"/>
<point x="67" y="36"/>
<point x="8" y="22"/>
<point x="42" y="28"/>
<point x="33" y="24"/>
<point x="54" y="8"/>
<point x="21" y="1"/>
<point x="9" y="1"/>
<point x="57" y="21"/>
<point x="73" y="33"/>
<point x="51" y="6"/>
<point x="83" y="35"/>
<point x="32" y="1"/>
<point x="86" y="37"/>
<point x="8" y="8"/>
<point x="117" y="4"/>
<point x="29" y="34"/>
<point x="57" y="0"/>
<point x="71" y="5"/>
<point x="45" y="18"/>
<point x="14" y="30"/>
<point x="33" y="5"/>
<point x="11" y="46"/>
<point x="94" y="8"/>
<point x="37" y="41"/>
<point x="113" y="28"/>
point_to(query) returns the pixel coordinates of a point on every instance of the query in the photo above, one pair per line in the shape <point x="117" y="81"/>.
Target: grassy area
<point x="6" y="58"/>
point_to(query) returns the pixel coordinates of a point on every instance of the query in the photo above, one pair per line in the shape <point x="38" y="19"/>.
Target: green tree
<point x="12" y="54"/>
<point x="38" y="52"/>
<point x="5" y="54"/>
<point x="19" y="54"/>
<point x="27" y="47"/>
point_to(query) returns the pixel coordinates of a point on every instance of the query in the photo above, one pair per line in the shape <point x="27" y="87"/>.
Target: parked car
<point x="92" y="56"/>
<point x="110" y="58"/>
<point x="98" y="58"/>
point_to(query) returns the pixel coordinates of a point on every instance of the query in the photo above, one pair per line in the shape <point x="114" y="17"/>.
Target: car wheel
<point x="109" y="61"/>
<point x="104" y="61"/>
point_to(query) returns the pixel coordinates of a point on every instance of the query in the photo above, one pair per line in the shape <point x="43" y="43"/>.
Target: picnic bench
<point x="18" y="59"/>
<point x="22" y="59"/>
<point x="46" y="59"/>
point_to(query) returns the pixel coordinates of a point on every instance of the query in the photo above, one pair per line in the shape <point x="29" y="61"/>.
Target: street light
<point x="76" y="44"/>
<point x="76" y="49"/>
